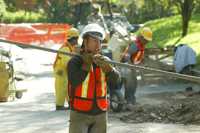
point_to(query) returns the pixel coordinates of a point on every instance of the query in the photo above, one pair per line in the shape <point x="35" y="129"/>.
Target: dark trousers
<point x="129" y="79"/>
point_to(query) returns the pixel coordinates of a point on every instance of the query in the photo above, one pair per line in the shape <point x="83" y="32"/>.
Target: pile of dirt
<point x="180" y="107"/>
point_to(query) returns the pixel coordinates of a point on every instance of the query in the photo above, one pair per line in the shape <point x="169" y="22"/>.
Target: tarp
<point x="183" y="57"/>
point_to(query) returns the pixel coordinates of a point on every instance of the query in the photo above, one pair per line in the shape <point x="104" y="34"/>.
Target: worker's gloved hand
<point x="60" y="72"/>
<point x="100" y="61"/>
<point x="125" y="58"/>
<point x="87" y="60"/>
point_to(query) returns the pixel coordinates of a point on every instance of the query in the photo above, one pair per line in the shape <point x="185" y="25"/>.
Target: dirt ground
<point x="175" y="107"/>
<point x="161" y="107"/>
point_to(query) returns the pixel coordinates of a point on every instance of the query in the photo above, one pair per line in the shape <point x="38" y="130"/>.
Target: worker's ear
<point x="84" y="45"/>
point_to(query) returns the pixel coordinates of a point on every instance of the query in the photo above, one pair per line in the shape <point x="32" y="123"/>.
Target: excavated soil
<point x="181" y="107"/>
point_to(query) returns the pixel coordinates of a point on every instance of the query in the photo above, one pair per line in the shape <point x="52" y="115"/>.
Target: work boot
<point x="129" y="107"/>
<point x="61" y="108"/>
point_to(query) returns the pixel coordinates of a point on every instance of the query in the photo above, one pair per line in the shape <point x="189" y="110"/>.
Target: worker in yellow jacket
<point x="60" y="67"/>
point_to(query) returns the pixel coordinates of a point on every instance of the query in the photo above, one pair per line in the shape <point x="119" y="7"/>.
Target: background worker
<point x="88" y="75"/>
<point x="59" y="67"/>
<point x="184" y="59"/>
<point x="134" y="54"/>
<point x="97" y="17"/>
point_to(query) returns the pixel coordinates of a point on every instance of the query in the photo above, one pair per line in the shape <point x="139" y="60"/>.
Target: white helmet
<point x="93" y="30"/>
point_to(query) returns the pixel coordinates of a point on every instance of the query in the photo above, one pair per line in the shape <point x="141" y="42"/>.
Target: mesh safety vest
<point x="93" y="90"/>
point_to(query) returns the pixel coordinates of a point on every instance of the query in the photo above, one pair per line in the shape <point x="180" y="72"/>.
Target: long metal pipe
<point x="129" y="66"/>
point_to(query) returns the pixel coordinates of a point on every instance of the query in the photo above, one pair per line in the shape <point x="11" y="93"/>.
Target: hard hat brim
<point x="95" y="36"/>
<point x="148" y="38"/>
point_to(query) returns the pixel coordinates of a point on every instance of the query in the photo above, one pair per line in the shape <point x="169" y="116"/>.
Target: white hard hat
<point x="93" y="30"/>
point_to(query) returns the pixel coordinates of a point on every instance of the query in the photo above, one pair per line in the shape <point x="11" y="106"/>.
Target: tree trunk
<point x="77" y="13"/>
<point x="185" y="24"/>
<point x="186" y="12"/>
<point x="109" y="8"/>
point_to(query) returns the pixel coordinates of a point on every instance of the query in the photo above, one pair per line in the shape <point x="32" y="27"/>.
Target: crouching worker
<point x="134" y="54"/>
<point x="88" y="75"/>
<point x="59" y="67"/>
<point x="184" y="59"/>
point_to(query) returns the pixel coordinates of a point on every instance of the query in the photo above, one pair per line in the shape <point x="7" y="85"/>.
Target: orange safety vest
<point x="137" y="57"/>
<point x="93" y="90"/>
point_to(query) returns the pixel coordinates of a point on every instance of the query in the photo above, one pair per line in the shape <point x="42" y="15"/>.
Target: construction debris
<point x="178" y="108"/>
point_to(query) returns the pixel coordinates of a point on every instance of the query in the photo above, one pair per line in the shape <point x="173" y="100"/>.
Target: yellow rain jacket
<point x="60" y="73"/>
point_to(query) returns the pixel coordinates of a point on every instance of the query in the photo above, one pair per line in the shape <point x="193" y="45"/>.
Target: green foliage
<point x="12" y="15"/>
<point x="10" y="5"/>
<point x="167" y="31"/>
<point x="144" y="10"/>
<point x="81" y="13"/>
<point x="2" y="8"/>
<point x="60" y="13"/>
<point x="197" y="6"/>
<point x="121" y="2"/>
<point x="23" y="17"/>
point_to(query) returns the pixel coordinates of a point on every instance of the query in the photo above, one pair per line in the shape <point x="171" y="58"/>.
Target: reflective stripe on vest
<point x="137" y="57"/>
<point x="93" y="89"/>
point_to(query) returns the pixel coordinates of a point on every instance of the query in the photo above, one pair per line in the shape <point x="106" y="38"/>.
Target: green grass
<point x="167" y="31"/>
<point x="23" y="17"/>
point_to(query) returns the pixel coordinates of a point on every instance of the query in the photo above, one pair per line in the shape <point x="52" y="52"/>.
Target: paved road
<point x="35" y="112"/>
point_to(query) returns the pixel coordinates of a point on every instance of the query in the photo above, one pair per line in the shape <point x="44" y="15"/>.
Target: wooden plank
<point x="159" y="51"/>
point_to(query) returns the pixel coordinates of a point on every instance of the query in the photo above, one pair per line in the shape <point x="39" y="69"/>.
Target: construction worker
<point x="97" y="17"/>
<point x="134" y="54"/>
<point x="59" y="67"/>
<point x="88" y="75"/>
<point x="184" y="59"/>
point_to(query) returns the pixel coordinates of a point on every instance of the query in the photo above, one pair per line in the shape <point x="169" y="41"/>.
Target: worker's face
<point x="144" y="41"/>
<point x="92" y="45"/>
<point x="73" y="41"/>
